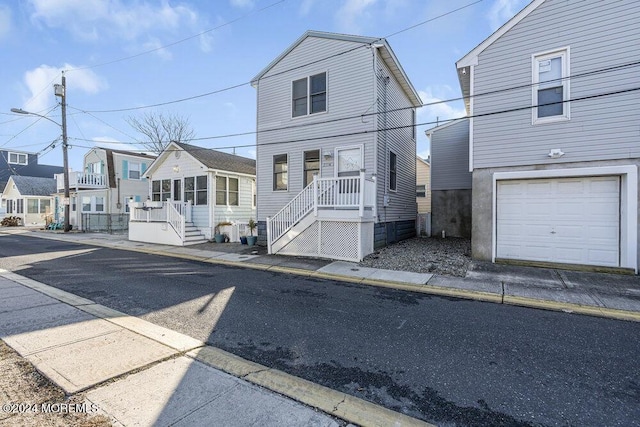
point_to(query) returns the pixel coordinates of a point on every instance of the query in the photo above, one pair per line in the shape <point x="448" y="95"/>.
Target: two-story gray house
<point x="336" y="148"/>
<point x="554" y="143"/>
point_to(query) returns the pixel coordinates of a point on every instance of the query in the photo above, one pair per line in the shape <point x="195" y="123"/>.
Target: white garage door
<point x="563" y="220"/>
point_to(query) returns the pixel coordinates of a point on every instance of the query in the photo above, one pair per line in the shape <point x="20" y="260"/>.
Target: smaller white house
<point x="29" y="198"/>
<point x="192" y="190"/>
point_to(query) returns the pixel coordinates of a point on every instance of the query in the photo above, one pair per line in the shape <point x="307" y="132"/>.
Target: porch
<point x="167" y="222"/>
<point x="330" y="218"/>
<point x="82" y="181"/>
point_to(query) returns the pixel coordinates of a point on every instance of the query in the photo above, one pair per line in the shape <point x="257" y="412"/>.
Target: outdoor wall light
<point x="176" y="169"/>
<point x="555" y="153"/>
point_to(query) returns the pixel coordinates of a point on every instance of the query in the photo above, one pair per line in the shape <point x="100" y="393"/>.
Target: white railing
<point x="173" y="213"/>
<point x="322" y="193"/>
<point x="175" y="218"/>
<point x="84" y="180"/>
<point x="291" y="213"/>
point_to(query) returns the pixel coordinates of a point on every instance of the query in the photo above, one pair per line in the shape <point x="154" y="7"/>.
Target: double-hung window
<point x="551" y="86"/>
<point x="280" y="172"/>
<point x="86" y="204"/>
<point x="309" y="95"/>
<point x="134" y="170"/>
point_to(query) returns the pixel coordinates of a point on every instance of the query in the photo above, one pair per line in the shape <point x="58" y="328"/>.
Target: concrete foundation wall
<point x="482" y="205"/>
<point x="451" y="212"/>
<point x="386" y="233"/>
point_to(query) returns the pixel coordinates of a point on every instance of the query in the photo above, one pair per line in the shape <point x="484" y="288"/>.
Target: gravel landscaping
<point x="450" y="256"/>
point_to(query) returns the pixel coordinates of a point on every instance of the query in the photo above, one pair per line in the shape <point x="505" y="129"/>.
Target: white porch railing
<point x="82" y="180"/>
<point x="323" y="193"/>
<point x="175" y="214"/>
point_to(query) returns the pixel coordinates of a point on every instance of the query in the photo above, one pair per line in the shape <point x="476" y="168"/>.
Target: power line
<point x="428" y="104"/>
<point x="363" y="45"/>
<point x="372" y="131"/>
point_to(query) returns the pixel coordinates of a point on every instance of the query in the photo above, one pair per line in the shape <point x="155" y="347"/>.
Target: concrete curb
<point x="610" y="313"/>
<point x="342" y="405"/>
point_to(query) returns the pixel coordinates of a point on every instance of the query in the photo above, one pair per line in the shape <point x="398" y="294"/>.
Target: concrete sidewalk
<point x="614" y="296"/>
<point x="137" y="373"/>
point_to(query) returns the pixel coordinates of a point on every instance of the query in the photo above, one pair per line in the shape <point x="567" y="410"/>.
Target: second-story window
<point x="551" y="86"/>
<point x="18" y="158"/>
<point x="309" y="95"/>
<point x="134" y="170"/>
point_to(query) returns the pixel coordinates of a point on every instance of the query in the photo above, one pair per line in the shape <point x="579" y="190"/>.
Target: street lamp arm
<point x="29" y="113"/>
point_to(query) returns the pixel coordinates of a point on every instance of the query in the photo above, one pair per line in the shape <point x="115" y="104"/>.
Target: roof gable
<point x="379" y="43"/>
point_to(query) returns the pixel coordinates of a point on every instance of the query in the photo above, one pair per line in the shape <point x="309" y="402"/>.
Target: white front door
<point x="560" y="220"/>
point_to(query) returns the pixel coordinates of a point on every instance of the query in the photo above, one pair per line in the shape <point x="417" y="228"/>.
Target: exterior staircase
<point x="330" y="218"/>
<point x="193" y="235"/>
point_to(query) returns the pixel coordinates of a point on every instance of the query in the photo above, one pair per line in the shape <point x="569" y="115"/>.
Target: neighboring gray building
<point x="321" y="111"/>
<point x="554" y="141"/>
<point x="450" y="179"/>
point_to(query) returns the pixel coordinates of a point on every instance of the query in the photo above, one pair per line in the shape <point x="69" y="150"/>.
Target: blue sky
<point x="126" y="54"/>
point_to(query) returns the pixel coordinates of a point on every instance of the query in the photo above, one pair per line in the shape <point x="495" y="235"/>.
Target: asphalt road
<point x="447" y="361"/>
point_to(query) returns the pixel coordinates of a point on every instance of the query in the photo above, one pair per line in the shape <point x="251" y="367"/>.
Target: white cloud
<point x="244" y="4"/>
<point x="439" y="111"/>
<point x="352" y="13"/>
<point x="503" y="10"/>
<point x="252" y="153"/>
<point x="39" y="82"/>
<point x="94" y="20"/>
<point x="5" y="21"/>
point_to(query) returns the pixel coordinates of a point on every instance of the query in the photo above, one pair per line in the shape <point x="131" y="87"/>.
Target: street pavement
<point x="138" y="373"/>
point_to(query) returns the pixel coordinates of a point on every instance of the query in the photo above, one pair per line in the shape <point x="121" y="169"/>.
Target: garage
<point x="573" y="220"/>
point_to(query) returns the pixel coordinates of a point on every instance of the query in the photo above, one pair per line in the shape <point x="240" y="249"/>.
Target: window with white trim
<point x="201" y="190"/>
<point x="309" y="95"/>
<point x="18" y="158"/>
<point x="134" y="170"/>
<point x="86" y="204"/>
<point x="393" y="171"/>
<point x="161" y="190"/>
<point x="99" y="204"/>
<point x="551" y="86"/>
<point x="421" y="191"/>
<point x="226" y="191"/>
<point x="280" y="172"/>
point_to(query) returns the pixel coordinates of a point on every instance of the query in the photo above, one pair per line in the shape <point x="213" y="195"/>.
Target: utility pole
<point x="61" y="91"/>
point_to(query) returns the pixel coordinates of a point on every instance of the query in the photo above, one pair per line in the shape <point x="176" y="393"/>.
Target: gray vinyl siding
<point x="598" y="35"/>
<point x="350" y="92"/>
<point x="398" y="139"/>
<point x="450" y="157"/>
